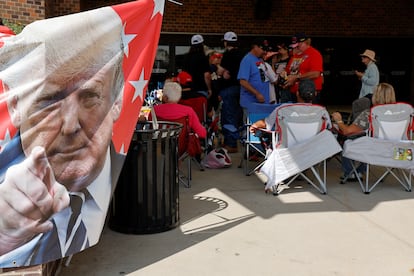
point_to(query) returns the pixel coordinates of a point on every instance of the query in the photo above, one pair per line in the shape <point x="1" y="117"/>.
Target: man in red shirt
<point x="306" y="63"/>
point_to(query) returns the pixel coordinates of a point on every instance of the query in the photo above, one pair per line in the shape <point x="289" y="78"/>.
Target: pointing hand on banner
<point x="28" y="200"/>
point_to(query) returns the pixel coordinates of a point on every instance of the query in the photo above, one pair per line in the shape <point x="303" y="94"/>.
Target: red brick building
<point x="340" y="30"/>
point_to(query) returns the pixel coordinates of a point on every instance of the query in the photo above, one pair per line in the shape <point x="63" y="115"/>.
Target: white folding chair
<point x="303" y="142"/>
<point x="389" y="145"/>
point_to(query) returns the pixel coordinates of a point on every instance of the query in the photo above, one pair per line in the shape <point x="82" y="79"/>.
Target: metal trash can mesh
<point x="146" y="199"/>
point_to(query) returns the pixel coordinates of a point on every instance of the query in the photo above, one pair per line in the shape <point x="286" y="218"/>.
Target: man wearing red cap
<point x="306" y="64"/>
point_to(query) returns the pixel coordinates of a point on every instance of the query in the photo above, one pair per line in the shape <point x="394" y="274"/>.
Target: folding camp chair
<point x="358" y="106"/>
<point x="389" y="145"/>
<point x="303" y="142"/>
<point x="183" y="156"/>
<point x="252" y="144"/>
<point x="199" y="105"/>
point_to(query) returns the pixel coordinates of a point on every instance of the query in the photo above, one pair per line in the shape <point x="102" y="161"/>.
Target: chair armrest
<point x="342" y="137"/>
<point x="263" y="133"/>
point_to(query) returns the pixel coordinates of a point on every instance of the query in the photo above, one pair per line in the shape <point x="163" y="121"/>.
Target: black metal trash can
<point x="146" y="199"/>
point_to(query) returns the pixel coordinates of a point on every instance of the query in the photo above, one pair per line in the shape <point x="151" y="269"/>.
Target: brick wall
<point x="22" y="11"/>
<point x="347" y="18"/>
<point x="352" y="18"/>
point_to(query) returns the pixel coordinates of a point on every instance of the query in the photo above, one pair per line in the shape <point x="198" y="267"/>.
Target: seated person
<point x="170" y="109"/>
<point x="360" y="105"/>
<point x="185" y="80"/>
<point x="383" y="94"/>
<point x="306" y="94"/>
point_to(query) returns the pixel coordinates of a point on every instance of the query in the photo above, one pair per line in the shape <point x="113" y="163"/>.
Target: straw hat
<point x="369" y="54"/>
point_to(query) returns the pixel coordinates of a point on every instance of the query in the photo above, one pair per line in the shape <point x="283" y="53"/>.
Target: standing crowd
<point x="233" y="80"/>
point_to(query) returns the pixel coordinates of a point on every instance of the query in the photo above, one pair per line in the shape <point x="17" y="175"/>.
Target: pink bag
<point x="216" y="159"/>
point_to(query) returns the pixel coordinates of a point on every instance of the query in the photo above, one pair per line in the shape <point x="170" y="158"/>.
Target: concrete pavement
<point x="229" y="226"/>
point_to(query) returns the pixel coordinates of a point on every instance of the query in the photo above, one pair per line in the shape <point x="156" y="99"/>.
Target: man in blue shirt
<point x="253" y="81"/>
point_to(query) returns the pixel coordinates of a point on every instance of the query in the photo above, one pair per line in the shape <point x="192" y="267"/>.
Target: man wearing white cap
<point x="370" y="78"/>
<point x="197" y="65"/>
<point x="231" y="112"/>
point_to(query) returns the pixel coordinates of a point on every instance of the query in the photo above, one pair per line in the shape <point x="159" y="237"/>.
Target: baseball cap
<point x="261" y="43"/>
<point x="216" y="55"/>
<point x="197" y="39"/>
<point x="230" y="36"/>
<point x="299" y="37"/>
<point x="294" y="43"/>
<point x="184" y="78"/>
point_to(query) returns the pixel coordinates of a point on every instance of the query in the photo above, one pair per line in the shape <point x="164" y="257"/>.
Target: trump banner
<point x="71" y="89"/>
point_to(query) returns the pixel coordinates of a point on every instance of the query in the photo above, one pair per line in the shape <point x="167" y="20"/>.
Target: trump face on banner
<point x="69" y="88"/>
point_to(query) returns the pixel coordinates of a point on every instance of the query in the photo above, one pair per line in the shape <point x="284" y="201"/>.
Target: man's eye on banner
<point x="69" y="87"/>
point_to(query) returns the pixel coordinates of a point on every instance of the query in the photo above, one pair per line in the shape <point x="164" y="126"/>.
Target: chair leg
<point x="197" y="160"/>
<point x="365" y="188"/>
<point x="189" y="171"/>
<point x="185" y="178"/>
<point x="404" y="178"/>
<point x="319" y="181"/>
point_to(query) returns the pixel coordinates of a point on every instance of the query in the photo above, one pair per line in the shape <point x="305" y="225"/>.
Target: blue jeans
<point x="347" y="166"/>
<point x="231" y="114"/>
